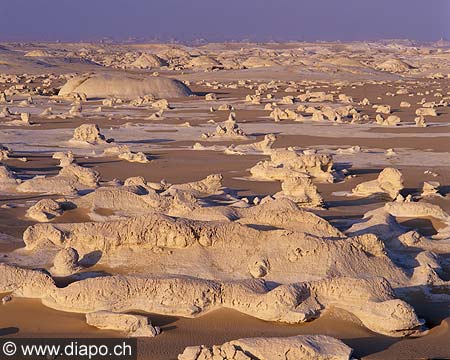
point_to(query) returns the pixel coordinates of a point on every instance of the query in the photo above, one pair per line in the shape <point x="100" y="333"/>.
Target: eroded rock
<point x="301" y="347"/>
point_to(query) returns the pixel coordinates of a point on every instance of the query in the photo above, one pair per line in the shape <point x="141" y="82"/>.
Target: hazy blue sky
<point x="72" y="20"/>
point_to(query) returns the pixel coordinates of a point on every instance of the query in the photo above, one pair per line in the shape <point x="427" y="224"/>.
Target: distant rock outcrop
<point x="124" y="86"/>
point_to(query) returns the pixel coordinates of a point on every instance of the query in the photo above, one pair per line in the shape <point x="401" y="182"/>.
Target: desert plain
<point x="228" y="200"/>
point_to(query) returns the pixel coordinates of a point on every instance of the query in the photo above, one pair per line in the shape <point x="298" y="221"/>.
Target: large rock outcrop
<point x="300" y="347"/>
<point x="70" y="179"/>
<point x="124" y="86"/>
<point x="148" y="61"/>
<point x="371" y="300"/>
<point x="291" y="254"/>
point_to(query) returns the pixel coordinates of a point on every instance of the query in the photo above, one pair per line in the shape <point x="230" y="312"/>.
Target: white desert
<point x="228" y="201"/>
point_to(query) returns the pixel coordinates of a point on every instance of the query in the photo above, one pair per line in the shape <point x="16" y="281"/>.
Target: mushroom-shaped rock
<point x="389" y="182"/>
<point x="65" y="263"/>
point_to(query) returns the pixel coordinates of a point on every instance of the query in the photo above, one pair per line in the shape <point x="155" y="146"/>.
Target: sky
<point x="225" y="20"/>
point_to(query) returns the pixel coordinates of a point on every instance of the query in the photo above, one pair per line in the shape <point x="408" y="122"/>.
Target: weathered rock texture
<point x="285" y="164"/>
<point x="389" y="182"/>
<point x="300" y="347"/>
<point x="131" y="325"/>
<point x="372" y="301"/>
<point x="123" y="86"/>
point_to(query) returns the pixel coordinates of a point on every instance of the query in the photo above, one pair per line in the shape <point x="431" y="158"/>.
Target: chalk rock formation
<point x="349" y="151"/>
<point x="38" y="53"/>
<point x="390" y="152"/>
<point x="264" y="146"/>
<point x="389" y="182"/>
<point x="5" y="113"/>
<point x="301" y="190"/>
<point x="227" y="130"/>
<point x="382" y="222"/>
<point x="69" y="181"/>
<point x="426" y="112"/>
<point x="382" y="109"/>
<point x="278" y="114"/>
<point x="132" y="325"/>
<point x="174" y="53"/>
<point x="4" y="153"/>
<point x="26" y="118"/>
<point x="45" y="210"/>
<point x="211" y="97"/>
<point x="258" y="61"/>
<point x="284" y="213"/>
<point x="300" y="347"/>
<point x="203" y="62"/>
<point x="137" y="197"/>
<point x="421" y="210"/>
<point x="391" y="120"/>
<point x="65" y="159"/>
<point x="315" y="96"/>
<point x="420" y="121"/>
<point x="139" y="157"/>
<point x="89" y="134"/>
<point x="25" y="282"/>
<point x="65" y="263"/>
<point x="284" y="164"/>
<point x="161" y="104"/>
<point x="124" y="86"/>
<point x="124" y="153"/>
<point x="211" y="185"/>
<point x="131" y="199"/>
<point x="377" y="222"/>
<point x="394" y="65"/>
<point x="8" y="180"/>
<point x="143" y="100"/>
<point x="371" y="300"/>
<point x="148" y="61"/>
<point x="291" y="253"/>
<point x="430" y="188"/>
<point x="76" y="109"/>
<point x="46" y="112"/>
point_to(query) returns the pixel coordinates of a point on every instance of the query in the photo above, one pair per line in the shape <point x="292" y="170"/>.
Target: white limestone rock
<point x="45" y="210"/>
<point x="65" y="263"/>
<point x="124" y="86"/>
<point x="131" y="325"/>
<point x="300" y="347"/>
<point x="89" y="134"/>
<point x="389" y="182"/>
